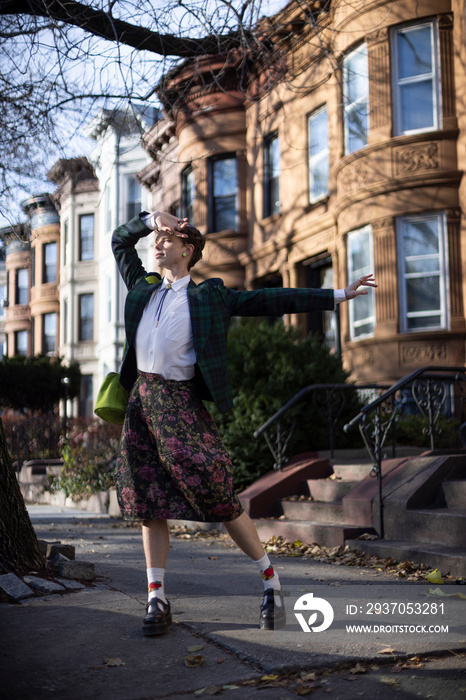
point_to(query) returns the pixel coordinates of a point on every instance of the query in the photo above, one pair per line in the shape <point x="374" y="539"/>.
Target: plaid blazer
<point x="211" y="307"/>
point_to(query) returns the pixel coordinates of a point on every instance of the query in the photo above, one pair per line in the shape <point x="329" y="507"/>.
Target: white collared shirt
<point x="164" y="338"/>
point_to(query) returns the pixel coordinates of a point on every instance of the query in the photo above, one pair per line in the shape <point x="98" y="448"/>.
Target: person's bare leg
<point x="243" y="533"/>
<point x="156" y="542"/>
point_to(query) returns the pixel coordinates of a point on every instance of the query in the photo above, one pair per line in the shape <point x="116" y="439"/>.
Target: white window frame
<point x="355" y="274"/>
<point x="442" y="273"/>
<point x="317" y="157"/>
<point x="348" y="107"/>
<point x="435" y="75"/>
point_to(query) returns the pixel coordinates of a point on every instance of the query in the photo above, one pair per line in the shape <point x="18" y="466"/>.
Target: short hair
<point x="196" y="239"/>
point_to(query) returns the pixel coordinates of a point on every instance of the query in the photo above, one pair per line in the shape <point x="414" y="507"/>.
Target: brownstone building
<point x="352" y="162"/>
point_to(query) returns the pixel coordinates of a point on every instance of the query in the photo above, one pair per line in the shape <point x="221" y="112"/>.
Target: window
<point x="49" y="262"/>
<point x="271" y="175"/>
<point x="86" y="317"/>
<point x="107" y="208"/>
<point x="2" y="300"/>
<point x="318" y="154"/>
<point x="66" y="237"/>
<point x="416" y="78"/>
<point x="223" y="189"/>
<point x="21" y="343"/>
<point x="33" y="267"/>
<point x="22" y="286"/>
<point x="109" y="298"/>
<point x="65" y="320"/>
<point x="360" y="262"/>
<point x="49" y="333"/>
<point x="187" y="186"/>
<point x="86" y="237"/>
<point x="356" y="99"/>
<point x="422" y="272"/>
<point x="86" y="405"/>
<point x="133" y="204"/>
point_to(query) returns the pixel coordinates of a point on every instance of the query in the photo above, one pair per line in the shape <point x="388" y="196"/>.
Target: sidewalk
<point x="88" y="645"/>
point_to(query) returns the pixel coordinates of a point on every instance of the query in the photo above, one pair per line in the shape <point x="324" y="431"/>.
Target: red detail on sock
<point x="154" y="586"/>
<point x="268" y="573"/>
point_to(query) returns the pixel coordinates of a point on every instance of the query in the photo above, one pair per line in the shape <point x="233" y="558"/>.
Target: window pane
<point x="22" y="286"/>
<point x="86" y="317"/>
<point x="134" y="198"/>
<point x="188" y="194"/>
<point x="417" y="105"/>
<point x="50" y="262"/>
<point x="423" y="265"/>
<point x="423" y="322"/>
<point x="49" y="341"/>
<point x="225" y="178"/>
<point x="421" y="237"/>
<point x="423" y="293"/>
<point x="415" y="52"/>
<point x="361" y="309"/>
<point x="357" y="75"/>
<point x="356" y="99"/>
<point x="21" y="339"/>
<point x="86" y="237"/>
<point x="272" y="173"/>
<point x="318" y="155"/>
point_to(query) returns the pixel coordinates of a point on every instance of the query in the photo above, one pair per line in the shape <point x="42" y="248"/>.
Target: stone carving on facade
<point x="377" y="37"/>
<point x="453" y="215"/>
<point x="85" y="271"/>
<point x="423" y="353"/>
<point x="362" y="357"/>
<point x="414" y="158"/>
<point x="386" y="222"/>
<point x="271" y="263"/>
<point x="354" y="176"/>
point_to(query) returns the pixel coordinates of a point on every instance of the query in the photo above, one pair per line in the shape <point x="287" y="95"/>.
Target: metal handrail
<point x="430" y="396"/>
<point x="283" y="437"/>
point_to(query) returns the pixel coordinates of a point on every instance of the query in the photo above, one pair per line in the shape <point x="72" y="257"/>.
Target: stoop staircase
<point x="317" y="506"/>
<point x="424" y="497"/>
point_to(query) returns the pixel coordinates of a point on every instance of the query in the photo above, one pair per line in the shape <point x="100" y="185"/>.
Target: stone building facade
<point x="352" y="162"/>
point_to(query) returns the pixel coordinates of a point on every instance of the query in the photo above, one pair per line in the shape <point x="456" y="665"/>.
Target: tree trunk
<point x="19" y="548"/>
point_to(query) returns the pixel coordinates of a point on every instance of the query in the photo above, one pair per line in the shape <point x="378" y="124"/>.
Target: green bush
<point x="412" y="430"/>
<point x="269" y="364"/>
<point x="89" y="453"/>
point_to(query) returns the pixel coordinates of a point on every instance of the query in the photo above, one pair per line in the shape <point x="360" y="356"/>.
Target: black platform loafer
<point x="158" y="618"/>
<point x="273" y="616"/>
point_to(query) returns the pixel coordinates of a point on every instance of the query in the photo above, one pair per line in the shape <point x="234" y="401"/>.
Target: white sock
<point x="269" y="577"/>
<point x="155" y="580"/>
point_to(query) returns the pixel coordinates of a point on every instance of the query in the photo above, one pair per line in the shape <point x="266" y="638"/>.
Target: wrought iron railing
<point x="430" y="387"/>
<point x="34" y="438"/>
<point x="330" y="401"/>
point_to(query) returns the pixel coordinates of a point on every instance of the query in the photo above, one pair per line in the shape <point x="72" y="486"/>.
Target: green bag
<point x="112" y="400"/>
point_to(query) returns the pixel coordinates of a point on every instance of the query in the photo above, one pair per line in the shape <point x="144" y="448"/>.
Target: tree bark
<point x="19" y="547"/>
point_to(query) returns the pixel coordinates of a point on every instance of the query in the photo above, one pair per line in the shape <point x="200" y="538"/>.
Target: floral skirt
<point x="172" y="463"/>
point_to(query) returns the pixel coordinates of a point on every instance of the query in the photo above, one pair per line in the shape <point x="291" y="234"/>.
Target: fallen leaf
<point x="392" y="682"/>
<point x="193" y="660"/>
<point x="270" y="678"/>
<point x="309" y="676"/>
<point x="113" y="662"/>
<point x="388" y="650"/>
<point x="213" y="690"/>
<point x="358" y="669"/>
<point x="305" y="689"/>
<point x="196" y="647"/>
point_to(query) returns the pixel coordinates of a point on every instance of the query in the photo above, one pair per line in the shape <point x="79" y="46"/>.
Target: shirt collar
<point x="179" y="284"/>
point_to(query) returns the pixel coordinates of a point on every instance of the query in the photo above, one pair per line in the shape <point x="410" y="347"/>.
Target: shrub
<point x="89" y="453"/>
<point x="268" y="365"/>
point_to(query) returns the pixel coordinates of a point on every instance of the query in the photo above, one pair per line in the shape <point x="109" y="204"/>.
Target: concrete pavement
<point x="89" y="645"/>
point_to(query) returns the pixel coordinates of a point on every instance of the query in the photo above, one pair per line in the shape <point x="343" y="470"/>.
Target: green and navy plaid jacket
<point x="211" y="306"/>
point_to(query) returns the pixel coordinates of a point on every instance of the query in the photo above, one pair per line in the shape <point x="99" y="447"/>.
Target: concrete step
<point x="352" y="472"/>
<point x="436" y="525"/>
<point x="325" y="534"/>
<point x="450" y="560"/>
<point x="315" y="511"/>
<point x="329" y="490"/>
<point x="455" y="494"/>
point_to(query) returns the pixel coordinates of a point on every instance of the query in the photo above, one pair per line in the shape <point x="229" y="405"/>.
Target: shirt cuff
<point x="145" y="218"/>
<point x="339" y="295"/>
